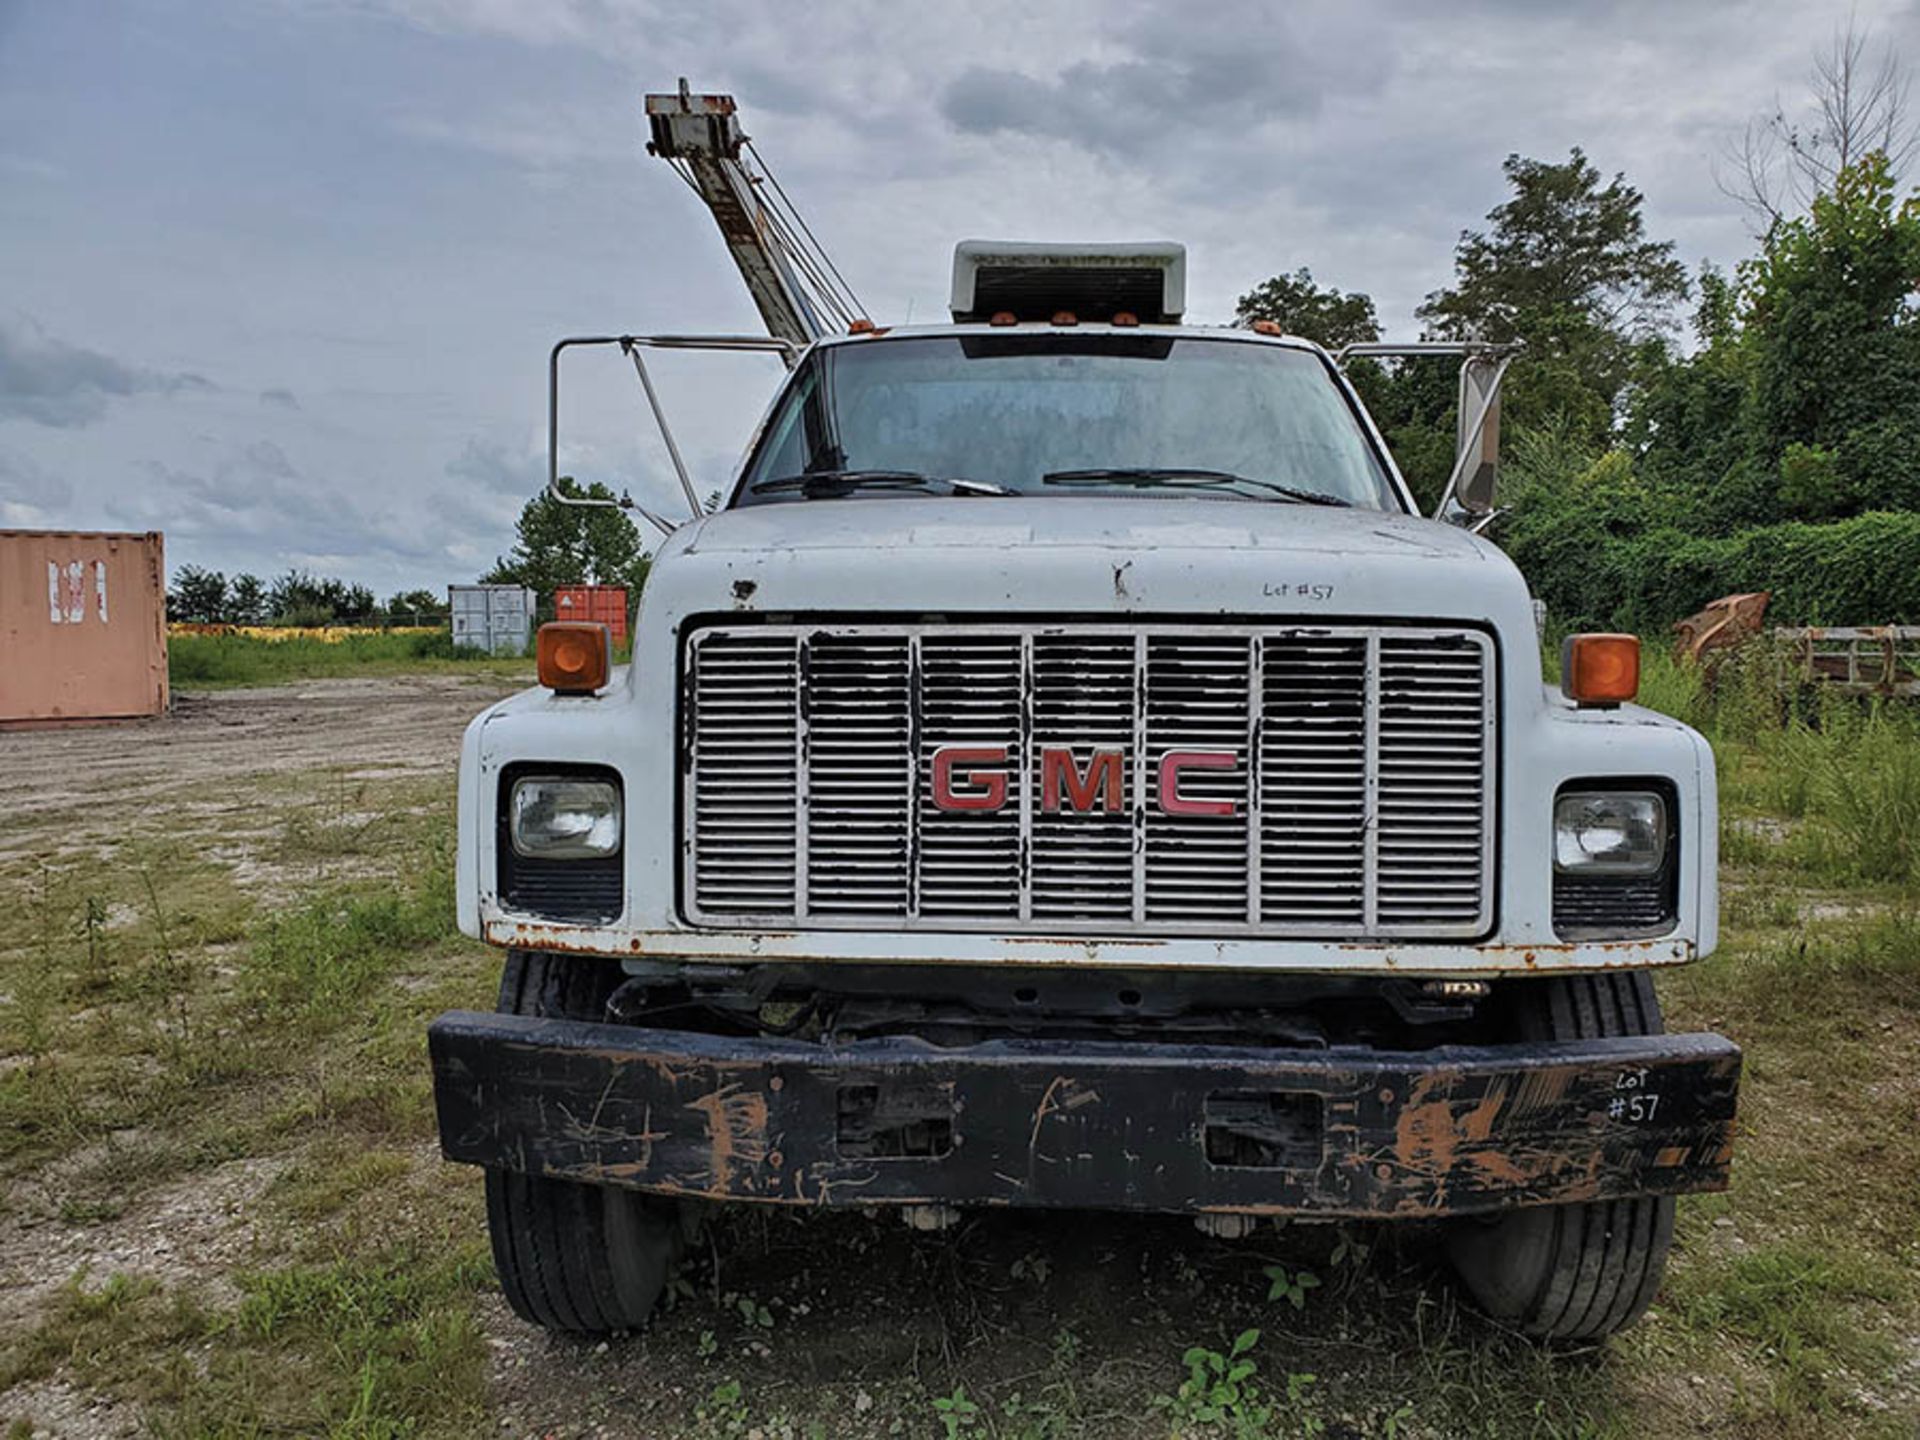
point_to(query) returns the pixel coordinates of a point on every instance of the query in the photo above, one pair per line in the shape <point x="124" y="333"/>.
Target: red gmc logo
<point x="968" y="777"/>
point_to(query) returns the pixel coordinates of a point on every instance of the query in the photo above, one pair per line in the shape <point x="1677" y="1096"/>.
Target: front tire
<point x="574" y="1257"/>
<point x="1571" y="1272"/>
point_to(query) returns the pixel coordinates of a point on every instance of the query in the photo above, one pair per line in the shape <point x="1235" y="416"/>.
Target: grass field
<point x="201" y="662"/>
<point x="223" y="1214"/>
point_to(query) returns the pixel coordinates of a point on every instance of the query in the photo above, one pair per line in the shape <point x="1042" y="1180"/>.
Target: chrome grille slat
<point x="1361" y="789"/>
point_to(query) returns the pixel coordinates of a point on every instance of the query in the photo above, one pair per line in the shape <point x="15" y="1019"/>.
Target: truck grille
<point x="1327" y="781"/>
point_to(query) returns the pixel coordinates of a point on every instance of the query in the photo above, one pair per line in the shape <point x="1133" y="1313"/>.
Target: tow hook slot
<point x="1264" y="1129"/>
<point x="895" y="1122"/>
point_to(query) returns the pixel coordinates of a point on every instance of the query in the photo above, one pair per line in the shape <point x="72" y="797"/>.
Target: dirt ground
<point x="246" y="802"/>
<point x="370" y="729"/>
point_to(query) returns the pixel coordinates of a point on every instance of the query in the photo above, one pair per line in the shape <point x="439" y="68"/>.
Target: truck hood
<point x="1079" y="555"/>
<point x="1117" y="523"/>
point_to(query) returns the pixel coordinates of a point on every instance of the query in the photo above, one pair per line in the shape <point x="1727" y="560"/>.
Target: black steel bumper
<point x="1340" y="1132"/>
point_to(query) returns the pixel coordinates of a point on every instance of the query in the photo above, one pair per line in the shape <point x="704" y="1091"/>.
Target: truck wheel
<point x="1571" y="1272"/>
<point x="570" y="1256"/>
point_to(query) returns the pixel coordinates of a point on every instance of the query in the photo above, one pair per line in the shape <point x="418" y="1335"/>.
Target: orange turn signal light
<point x="574" y="657"/>
<point x="1600" y="669"/>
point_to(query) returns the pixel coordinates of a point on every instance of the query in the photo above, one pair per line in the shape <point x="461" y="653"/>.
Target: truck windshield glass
<point x="1117" y="414"/>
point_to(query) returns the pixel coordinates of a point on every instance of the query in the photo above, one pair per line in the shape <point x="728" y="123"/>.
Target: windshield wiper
<point x="812" y="483"/>
<point x="1151" y="475"/>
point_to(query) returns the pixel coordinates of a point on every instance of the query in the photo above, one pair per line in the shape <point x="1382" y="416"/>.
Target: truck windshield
<point x="1064" y="414"/>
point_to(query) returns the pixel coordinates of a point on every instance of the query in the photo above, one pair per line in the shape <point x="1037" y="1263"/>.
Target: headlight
<point x="1609" y="832"/>
<point x="551" y="818"/>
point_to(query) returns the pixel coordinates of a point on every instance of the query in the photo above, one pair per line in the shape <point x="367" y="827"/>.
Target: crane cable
<point x="785" y="231"/>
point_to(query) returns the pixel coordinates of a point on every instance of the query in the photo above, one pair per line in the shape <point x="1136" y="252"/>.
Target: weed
<point x="725" y="1409"/>
<point x="1298" y="1384"/>
<point x="115" y="1335"/>
<point x="313" y="962"/>
<point x="1221" y="1388"/>
<point x="1349" y="1250"/>
<point x="958" y="1414"/>
<point x="1290" y="1286"/>
<point x="751" y="1312"/>
<point x="362" y="1345"/>
<point x="98" y="972"/>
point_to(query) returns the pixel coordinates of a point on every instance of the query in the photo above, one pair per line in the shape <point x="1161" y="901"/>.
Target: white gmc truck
<point x="1067" y="771"/>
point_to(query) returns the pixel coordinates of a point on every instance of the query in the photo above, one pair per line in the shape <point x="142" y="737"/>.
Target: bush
<point x="1863" y="571"/>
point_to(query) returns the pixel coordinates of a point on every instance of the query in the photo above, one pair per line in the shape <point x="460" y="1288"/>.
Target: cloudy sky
<point x="278" y="277"/>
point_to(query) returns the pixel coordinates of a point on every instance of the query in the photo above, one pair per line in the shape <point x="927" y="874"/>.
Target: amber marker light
<point x="1600" y="669"/>
<point x="574" y="657"/>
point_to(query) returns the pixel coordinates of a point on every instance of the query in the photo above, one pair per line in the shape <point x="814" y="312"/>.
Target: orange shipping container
<point x="604" y="604"/>
<point x="83" y="626"/>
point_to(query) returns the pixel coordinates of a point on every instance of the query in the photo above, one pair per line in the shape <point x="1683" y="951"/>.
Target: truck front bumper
<point x="1097" y="1125"/>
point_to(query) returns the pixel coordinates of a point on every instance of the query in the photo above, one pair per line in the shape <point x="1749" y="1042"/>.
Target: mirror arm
<point x="666" y="431"/>
<point x="631" y="346"/>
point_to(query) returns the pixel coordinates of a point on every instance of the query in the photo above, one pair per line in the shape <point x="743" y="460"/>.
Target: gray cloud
<point x="280" y="397"/>
<point x="254" y="499"/>
<point x="1178" y="84"/>
<point x="497" y="470"/>
<point x="29" y="493"/>
<point x="66" y="386"/>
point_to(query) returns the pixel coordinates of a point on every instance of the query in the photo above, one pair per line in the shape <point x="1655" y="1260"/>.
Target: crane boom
<point x="799" y="293"/>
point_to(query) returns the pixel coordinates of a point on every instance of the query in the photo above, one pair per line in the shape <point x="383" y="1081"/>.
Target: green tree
<point x="1318" y="313"/>
<point x="246" y="600"/>
<point x="1565" y="265"/>
<point x="1834" y="348"/>
<point x="412" y="607"/>
<point x="563" y="544"/>
<point x="297" y="598"/>
<point x="1414" y="402"/>
<point x="199" y="596"/>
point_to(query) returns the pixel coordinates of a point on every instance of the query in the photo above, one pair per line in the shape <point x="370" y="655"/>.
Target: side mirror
<point x="1476" y="466"/>
<point x="1468" y="497"/>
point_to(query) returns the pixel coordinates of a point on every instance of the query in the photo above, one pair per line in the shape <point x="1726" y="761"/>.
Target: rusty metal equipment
<point x="1721" y="625"/>
<point x="83" y="626"/>
<point x="1856" y="659"/>
<point x="799" y="293"/>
